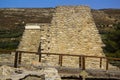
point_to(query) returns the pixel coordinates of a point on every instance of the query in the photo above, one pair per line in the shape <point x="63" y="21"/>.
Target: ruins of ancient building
<point x="71" y="31"/>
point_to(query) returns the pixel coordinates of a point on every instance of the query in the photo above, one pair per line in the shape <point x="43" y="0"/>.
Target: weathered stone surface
<point x="7" y="72"/>
<point x="30" y="40"/>
<point x="72" y="31"/>
<point x="7" y="59"/>
<point x="51" y="74"/>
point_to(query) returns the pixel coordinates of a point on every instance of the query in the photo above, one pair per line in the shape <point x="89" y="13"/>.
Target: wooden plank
<point x="80" y="61"/>
<point x="20" y="58"/>
<point x="107" y="65"/>
<point x="60" y="59"/>
<point x="40" y="57"/>
<point x="83" y="62"/>
<point x="100" y="62"/>
<point x="16" y="60"/>
<point x="64" y="54"/>
<point x="39" y="52"/>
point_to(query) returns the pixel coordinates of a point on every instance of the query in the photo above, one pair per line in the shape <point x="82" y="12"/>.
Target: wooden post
<point x="16" y="60"/>
<point x="40" y="57"/>
<point x="83" y="62"/>
<point x="39" y="52"/>
<point x="106" y="64"/>
<point x="79" y="61"/>
<point x="20" y="57"/>
<point x="100" y="62"/>
<point x="60" y="60"/>
<point x="80" y="77"/>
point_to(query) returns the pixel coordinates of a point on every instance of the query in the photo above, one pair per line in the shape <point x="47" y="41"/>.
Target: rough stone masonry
<point x="72" y="31"/>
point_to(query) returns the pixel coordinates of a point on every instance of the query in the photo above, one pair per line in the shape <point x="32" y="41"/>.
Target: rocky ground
<point x="10" y="73"/>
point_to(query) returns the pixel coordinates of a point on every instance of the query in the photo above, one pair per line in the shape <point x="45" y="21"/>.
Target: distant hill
<point x="106" y="17"/>
<point x="11" y="18"/>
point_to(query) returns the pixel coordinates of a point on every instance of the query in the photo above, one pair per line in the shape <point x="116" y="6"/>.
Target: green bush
<point x="9" y="44"/>
<point x="112" y="42"/>
<point x="10" y="33"/>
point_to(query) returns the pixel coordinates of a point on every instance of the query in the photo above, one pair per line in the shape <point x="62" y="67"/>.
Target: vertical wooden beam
<point x="107" y="64"/>
<point x="20" y="57"/>
<point x="80" y="77"/>
<point x="83" y="62"/>
<point x="80" y="62"/>
<point x="16" y="59"/>
<point x="39" y="56"/>
<point x="60" y="60"/>
<point x="39" y="52"/>
<point x="100" y="62"/>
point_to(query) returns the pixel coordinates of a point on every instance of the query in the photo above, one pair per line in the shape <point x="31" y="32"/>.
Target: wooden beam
<point x="16" y="60"/>
<point x="83" y="62"/>
<point x="20" y="58"/>
<point x="39" y="52"/>
<point x="80" y="61"/>
<point x="107" y="65"/>
<point x="60" y="59"/>
<point x="100" y="62"/>
<point x="39" y="57"/>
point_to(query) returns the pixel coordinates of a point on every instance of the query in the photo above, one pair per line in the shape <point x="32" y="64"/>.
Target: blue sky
<point x="95" y="4"/>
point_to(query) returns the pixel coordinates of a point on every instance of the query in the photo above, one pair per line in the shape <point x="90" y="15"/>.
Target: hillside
<point x="12" y="22"/>
<point x="11" y="18"/>
<point x="106" y="18"/>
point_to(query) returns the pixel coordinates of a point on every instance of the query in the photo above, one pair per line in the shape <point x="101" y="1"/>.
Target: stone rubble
<point x="7" y="72"/>
<point x="51" y="74"/>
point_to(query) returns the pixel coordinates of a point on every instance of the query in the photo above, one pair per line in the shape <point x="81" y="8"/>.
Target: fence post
<point x="79" y="61"/>
<point x="60" y="59"/>
<point x="16" y="59"/>
<point x="39" y="56"/>
<point x="39" y="52"/>
<point x="20" y="57"/>
<point x="83" y="62"/>
<point x="107" y="64"/>
<point x="100" y="62"/>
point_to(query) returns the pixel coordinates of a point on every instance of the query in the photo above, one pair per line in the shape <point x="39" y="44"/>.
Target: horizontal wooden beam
<point x="28" y="52"/>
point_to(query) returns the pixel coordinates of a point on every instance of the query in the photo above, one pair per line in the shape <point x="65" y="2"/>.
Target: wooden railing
<point x="82" y="58"/>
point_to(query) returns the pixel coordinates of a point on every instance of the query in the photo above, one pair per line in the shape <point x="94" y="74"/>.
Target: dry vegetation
<point x="12" y="22"/>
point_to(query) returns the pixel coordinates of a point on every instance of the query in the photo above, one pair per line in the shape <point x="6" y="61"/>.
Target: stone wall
<point x="72" y="31"/>
<point x="32" y="36"/>
<point x="30" y="40"/>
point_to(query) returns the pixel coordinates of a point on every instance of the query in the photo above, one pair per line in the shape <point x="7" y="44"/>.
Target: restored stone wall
<point x="32" y="36"/>
<point x="72" y="31"/>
